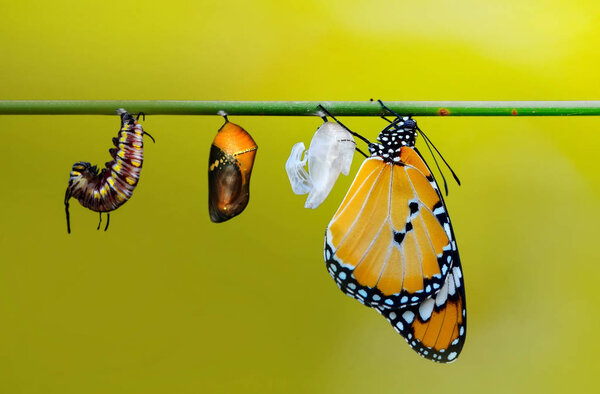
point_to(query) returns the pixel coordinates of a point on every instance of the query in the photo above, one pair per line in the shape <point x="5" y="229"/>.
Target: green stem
<point x="301" y="108"/>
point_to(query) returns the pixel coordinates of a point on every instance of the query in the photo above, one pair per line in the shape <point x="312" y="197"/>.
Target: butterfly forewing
<point x="390" y="243"/>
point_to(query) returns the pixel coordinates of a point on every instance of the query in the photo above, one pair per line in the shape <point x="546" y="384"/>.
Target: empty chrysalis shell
<point x="330" y="152"/>
<point x="229" y="168"/>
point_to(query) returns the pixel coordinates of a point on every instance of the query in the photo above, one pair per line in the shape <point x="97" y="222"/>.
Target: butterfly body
<point x="391" y="246"/>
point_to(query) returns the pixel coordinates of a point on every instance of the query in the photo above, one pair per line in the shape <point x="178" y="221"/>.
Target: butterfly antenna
<point x="427" y="142"/>
<point x="344" y="126"/>
<point x="425" y="138"/>
<point x="437" y="165"/>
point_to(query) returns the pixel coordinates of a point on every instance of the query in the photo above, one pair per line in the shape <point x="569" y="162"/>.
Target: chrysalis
<point x="330" y="152"/>
<point x="229" y="169"/>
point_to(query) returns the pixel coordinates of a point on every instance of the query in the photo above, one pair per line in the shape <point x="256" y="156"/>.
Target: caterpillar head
<point x="80" y="175"/>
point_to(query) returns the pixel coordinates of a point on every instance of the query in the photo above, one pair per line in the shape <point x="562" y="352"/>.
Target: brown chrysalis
<point x="229" y="168"/>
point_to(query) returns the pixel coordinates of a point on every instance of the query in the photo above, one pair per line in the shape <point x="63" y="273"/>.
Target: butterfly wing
<point x="435" y="328"/>
<point x="390" y="243"/>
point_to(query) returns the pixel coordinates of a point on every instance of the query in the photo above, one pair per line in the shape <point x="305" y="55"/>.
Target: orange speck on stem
<point x="443" y="112"/>
<point x="513" y="112"/>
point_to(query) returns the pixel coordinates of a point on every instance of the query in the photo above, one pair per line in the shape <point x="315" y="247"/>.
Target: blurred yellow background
<point x="168" y="302"/>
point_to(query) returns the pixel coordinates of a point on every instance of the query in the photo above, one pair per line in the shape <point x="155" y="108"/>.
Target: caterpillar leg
<point x="107" y="221"/>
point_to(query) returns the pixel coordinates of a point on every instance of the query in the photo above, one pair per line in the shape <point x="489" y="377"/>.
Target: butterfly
<point x="391" y="244"/>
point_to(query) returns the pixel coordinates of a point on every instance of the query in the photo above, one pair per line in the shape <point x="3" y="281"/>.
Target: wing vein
<point x="354" y="196"/>
<point x="360" y="212"/>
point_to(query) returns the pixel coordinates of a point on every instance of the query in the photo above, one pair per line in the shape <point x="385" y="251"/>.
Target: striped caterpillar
<point x="110" y="188"/>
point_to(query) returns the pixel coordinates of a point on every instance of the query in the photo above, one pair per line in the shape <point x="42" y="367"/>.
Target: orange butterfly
<point x="391" y="245"/>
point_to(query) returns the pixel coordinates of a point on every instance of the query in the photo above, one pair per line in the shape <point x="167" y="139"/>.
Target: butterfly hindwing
<point x="435" y="328"/>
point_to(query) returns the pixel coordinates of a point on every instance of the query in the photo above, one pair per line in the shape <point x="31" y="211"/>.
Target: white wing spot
<point x="451" y="288"/>
<point x="442" y="296"/>
<point x="408" y="316"/>
<point x="426" y="308"/>
<point x="457" y="272"/>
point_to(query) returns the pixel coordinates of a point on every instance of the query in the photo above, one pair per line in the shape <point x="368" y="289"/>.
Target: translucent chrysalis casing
<point x="330" y="153"/>
<point x="229" y="168"/>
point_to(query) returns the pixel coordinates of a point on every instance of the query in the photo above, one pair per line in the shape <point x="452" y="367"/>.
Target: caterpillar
<point x="112" y="187"/>
<point x="229" y="168"/>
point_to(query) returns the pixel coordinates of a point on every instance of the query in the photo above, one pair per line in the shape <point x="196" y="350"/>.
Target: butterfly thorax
<point x="401" y="132"/>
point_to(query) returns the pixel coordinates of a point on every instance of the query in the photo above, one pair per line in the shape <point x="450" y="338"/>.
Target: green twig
<point x="301" y="108"/>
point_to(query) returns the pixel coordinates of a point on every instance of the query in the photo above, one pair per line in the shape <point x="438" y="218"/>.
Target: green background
<point x="168" y="302"/>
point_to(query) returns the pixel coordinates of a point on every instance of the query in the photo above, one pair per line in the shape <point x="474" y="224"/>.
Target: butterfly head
<point x="402" y="131"/>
